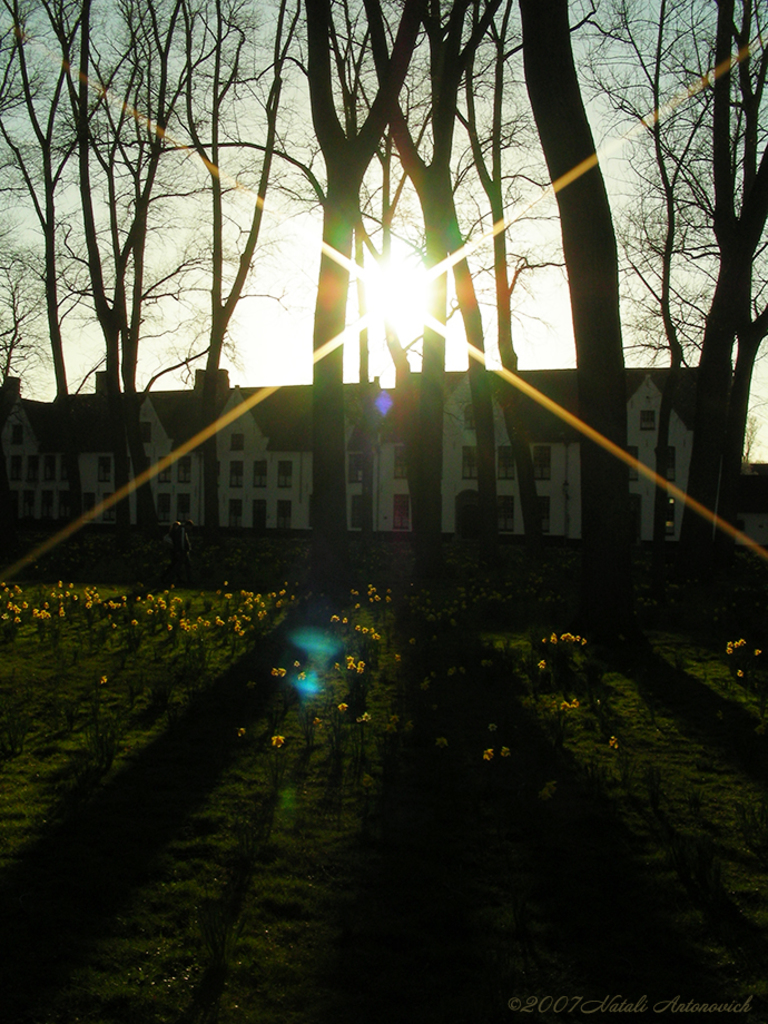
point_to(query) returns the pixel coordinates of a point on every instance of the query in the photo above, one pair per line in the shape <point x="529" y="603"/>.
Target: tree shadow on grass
<point x="702" y="714"/>
<point x="64" y="893"/>
<point x="477" y="891"/>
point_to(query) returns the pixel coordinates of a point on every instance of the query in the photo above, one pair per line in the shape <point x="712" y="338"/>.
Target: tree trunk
<point x="508" y="398"/>
<point x="713" y="384"/>
<point x="733" y="445"/>
<point x="482" y="396"/>
<point x="590" y="254"/>
<point x="7" y="511"/>
<point x="146" y="516"/>
<point x="367" y="419"/>
<point x="660" y="496"/>
<point x="329" y="502"/>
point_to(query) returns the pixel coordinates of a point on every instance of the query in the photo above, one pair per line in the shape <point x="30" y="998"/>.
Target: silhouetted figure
<point x="177" y="539"/>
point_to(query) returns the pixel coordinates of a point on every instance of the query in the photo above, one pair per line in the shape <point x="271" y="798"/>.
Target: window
<point x="108" y="515"/>
<point x="285" y="474"/>
<point x="89" y="500"/>
<point x="184" y="470"/>
<point x="469" y="417"/>
<point x="15" y="469"/>
<point x="542" y="462"/>
<point x="63" y="471"/>
<point x="260" y="473"/>
<point x="400" y="464"/>
<point x="670" y="462"/>
<point x="33" y="465"/>
<point x="46" y="505"/>
<point x="237" y="442"/>
<point x="469" y="462"/>
<point x="284" y="515"/>
<point x="506" y="507"/>
<point x="647" y="419"/>
<point x="401" y="512"/>
<point x="17" y="434"/>
<point x="543" y="503"/>
<point x="104" y="469"/>
<point x="355" y="468"/>
<point x="64" y="512"/>
<point x="164" y="507"/>
<point x="259" y="514"/>
<point x="632" y="450"/>
<point x="235" y="512"/>
<point x="164" y="476"/>
<point x="236" y="475"/>
<point x="670" y="523"/>
<point x="506" y="463"/>
<point x="49" y="467"/>
<point x="145" y="426"/>
<point x="28" y="504"/>
<point x="182" y="506"/>
<point x="356" y="512"/>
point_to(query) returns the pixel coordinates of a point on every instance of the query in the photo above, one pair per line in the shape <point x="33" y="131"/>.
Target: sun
<point x="397" y="293"/>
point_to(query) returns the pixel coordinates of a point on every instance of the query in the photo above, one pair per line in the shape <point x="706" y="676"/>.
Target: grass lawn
<point x="238" y="805"/>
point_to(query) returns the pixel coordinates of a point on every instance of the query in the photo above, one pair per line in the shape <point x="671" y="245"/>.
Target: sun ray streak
<point x="168" y="460"/>
<point x="613" y="449"/>
<point x="432" y="274"/>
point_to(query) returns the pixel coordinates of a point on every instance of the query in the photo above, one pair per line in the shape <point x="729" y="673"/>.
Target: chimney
<point x="222" y="382"/>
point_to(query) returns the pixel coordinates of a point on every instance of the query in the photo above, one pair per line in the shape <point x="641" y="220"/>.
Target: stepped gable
<point x="179" y="413"/>
<point x="684" y="402"/>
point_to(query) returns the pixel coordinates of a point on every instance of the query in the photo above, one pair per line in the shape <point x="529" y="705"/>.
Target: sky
<point x="272" y="332"/>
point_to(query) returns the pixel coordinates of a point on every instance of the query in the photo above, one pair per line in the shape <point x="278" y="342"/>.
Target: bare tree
<point x="591" y="258"/>
<point x="348" y="148"/>
<point x="738" y="313"/>
<point x="453" y="38"/>
<point x="40" y="141"/>
<point x="657" y="234"/>
<point x="22" y="343"/>
<point x="125" y="141"/>
<point x="488" y="154"/>
<point x="219" y="52"/>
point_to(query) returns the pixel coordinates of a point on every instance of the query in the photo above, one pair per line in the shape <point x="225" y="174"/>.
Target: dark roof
<point x="88" y="422"/>
<point x="179" y="413"/>
<point x="285" y="416"/>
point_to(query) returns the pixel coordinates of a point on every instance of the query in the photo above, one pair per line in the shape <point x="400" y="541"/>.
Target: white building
<point x="265" y="457"/>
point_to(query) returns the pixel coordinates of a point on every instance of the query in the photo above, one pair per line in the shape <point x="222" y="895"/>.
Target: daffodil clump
<point x="747" y="668"/>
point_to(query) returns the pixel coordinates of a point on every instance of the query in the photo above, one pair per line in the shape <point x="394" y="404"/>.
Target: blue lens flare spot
<point x="383" y="403"/>
<point x="315" y="642"/>
<point x="309" y="686"/>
